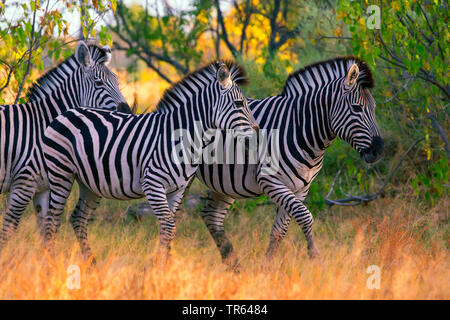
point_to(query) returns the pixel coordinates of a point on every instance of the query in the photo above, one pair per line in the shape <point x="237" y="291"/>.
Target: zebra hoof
<point x="313" y="253"/>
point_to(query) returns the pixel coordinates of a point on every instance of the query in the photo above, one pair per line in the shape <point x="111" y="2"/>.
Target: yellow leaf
<point x="395" y="5"/>
<point x="337" y="32"/>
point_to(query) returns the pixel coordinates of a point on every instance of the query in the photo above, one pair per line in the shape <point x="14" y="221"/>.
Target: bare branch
<point x="353" y="200"/>
<point x="441" y="133"/>
<point x="230" y="46"/>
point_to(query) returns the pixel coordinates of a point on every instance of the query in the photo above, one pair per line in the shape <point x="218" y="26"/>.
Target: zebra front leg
<point x="156" y="196"/>
<point x="289" y="202"/>
<point x="87" y="203"/>
<point x="213" y="215"/>
<point x="20" y="196"/>
<point x="279" y="230"/>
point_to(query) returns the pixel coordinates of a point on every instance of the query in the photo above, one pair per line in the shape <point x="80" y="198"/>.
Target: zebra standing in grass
<point x="319" y="103"/>
<point x="120" y="156"/>
<point x="82" y="80"/>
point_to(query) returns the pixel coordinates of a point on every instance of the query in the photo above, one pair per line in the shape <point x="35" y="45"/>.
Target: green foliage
<point x="251" y="204"/>
<point x="434" y="185"/>
<point x="170" y="37"/>
<point x="262" y="84"/>
<point x="409" y="53"/>
<point x="36" y="30"/>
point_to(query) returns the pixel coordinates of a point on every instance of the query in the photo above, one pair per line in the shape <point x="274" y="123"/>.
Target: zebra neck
<point x="302" y="121"/>
<point x="192" y="119"/>
<point x="55" y="103"/>
<point x="57" y="93"/>
<point x="312" y="127"/>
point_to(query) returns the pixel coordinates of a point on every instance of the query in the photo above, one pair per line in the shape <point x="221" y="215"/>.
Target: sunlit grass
<point x="407" y="241"/>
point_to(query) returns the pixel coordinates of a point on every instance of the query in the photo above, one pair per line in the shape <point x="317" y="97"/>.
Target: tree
<point x="409" y="51"/>
<point x="35" y="30"/>
<point x="169" y="39"/>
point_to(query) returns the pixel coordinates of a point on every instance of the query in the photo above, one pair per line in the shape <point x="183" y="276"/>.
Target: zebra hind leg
<point x="213" y="215"/>
<point x="40" y="203"/>
<point x="87" y="203"/>
<point x="60" y="185"/>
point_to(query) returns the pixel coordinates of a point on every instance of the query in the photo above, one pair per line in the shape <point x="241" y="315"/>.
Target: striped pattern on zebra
<point x="120" y="156"/>
<point x="318" y="103"/>
<point x="82" y="80"/>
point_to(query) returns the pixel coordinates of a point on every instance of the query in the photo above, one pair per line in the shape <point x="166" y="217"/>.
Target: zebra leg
<point x="279" y="230"/>
<point x="156" y="196"/>
<point x="174" y="200"/>
<point x="60" y="184"/>
<point x="289" y="202"/>
<point x="40" y="203"/>
<point x="87" y="203"/>
<point x="20" y="196"/>
<point x="213" y="214"/>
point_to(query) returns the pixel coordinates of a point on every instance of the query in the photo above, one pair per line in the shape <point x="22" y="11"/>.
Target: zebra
<point x="120" y="156"/>
<point x="82" y="80"/>
<point x="318" y="103"/>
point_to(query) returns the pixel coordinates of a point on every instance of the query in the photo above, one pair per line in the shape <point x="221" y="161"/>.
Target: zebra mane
<point x="47" y="81"/>
<point x="336" y="68"/>
<point x="237" y="72"/>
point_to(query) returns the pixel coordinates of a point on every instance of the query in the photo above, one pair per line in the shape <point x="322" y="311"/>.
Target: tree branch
<point x="30" y="53"/>
<point x="352" y="200"/>
<point x="230" y="46"/>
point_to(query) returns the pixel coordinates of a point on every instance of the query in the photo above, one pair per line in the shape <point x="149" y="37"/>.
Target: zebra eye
<point x="357" y="107"/>
<point x="99" y="82"/>
<point x="239" y="103"/>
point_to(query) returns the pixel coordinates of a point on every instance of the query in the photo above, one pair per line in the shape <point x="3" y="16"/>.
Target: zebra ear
<point x="107" y="50"/>
<point x="82" y="54"/>
<point x="223" y="76"/>
<point x="352" y="75"/>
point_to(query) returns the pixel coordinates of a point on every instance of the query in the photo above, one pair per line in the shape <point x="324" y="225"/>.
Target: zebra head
<point x="353" y="117"/>
<point x="98" y="85"/>
<point x="232" y="111"/>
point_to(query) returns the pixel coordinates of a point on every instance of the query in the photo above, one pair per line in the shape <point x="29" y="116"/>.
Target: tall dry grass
<point x="408" y="242"/>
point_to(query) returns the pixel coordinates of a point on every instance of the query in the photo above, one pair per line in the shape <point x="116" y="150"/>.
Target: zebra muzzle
<point x="374" y="152"/>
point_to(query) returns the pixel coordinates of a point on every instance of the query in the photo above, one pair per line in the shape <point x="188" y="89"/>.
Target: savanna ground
<point x="405" y="239"/>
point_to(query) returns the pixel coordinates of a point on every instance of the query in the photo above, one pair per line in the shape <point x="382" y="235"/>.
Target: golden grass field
<point x="408" y="241"/>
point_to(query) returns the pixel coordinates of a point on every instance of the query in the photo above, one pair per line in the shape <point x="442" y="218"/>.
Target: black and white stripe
<point x="82" y="80"/>
<point x="120" y="156"/>
<point x="318" y="103"/>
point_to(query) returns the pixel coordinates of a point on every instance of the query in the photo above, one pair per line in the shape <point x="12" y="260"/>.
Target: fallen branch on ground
<point x="353" y="200"/>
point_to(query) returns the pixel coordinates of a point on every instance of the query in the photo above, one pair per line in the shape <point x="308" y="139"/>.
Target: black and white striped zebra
<point x="120" y="156"/>
<point x="82" y="80"/>
<point x="318" y="103"/>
